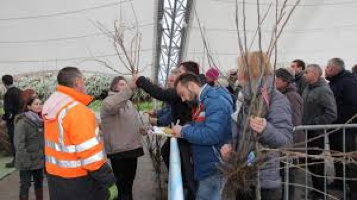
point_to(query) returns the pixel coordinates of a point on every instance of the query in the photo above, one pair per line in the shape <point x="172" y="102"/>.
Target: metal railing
<point x="324" y="129"/>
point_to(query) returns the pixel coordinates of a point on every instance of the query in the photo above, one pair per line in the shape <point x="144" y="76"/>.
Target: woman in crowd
<point x="121" y="132"/>
<point x="25" y="95"/>
<point x="271" y="124"/>
<point x="29" y="144"/>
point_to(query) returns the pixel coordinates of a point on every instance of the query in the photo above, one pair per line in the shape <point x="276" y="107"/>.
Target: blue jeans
<point x="210" y="188"/>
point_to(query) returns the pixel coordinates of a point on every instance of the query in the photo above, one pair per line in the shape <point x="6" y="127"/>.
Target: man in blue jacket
<point x="210" y="129"/>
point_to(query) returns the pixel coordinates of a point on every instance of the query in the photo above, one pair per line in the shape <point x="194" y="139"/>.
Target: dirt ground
<point x="144" y="183"/>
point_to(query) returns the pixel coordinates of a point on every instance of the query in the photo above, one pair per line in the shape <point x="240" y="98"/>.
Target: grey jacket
<point x="319" y="104"/>
<point x="29" y="144"/>
<point x="120" y="123"/>
<point x="278" y="133"/>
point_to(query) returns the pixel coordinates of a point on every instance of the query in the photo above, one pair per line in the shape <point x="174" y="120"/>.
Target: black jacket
<point x="180" y="110"/>
<point x="12" y="103"/>
<point x="344" y="87"/>
<point x="300" y="83"/>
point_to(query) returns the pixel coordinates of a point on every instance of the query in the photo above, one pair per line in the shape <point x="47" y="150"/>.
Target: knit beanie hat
<point x="212" y="74"/>
<point x="284" y="74"/>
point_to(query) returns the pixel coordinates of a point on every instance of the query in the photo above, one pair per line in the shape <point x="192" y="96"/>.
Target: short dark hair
<point x="191" y="66"/>
<point x="67" y="75"/>
<point x="184" y="79"/>
<point x="115" y="81"/>
<point x="7" y="79"/>
<point x="300" y="63"/>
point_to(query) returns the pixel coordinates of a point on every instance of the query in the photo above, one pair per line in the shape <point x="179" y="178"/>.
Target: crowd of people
<point x="214" y="115"/>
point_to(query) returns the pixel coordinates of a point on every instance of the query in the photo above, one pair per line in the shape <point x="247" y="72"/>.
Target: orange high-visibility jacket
<point x="72" y="142"/>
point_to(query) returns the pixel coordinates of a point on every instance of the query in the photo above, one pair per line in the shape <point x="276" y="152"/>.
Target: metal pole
<point x="175" y="177"/>
<point x="327" y="126"/>
<point x="286" y="184"/>
<point x="325" y="148"/>
<point x="306" y="169"/>
<point x="344" y="164"/>
<point x="172" y="31"/>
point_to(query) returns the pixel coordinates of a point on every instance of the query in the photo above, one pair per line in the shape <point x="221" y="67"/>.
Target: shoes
<point x="39" y="194"/>
<point x="316" y="195"/>
<point x="337" y="184"/>
<point x="24" y="197"/>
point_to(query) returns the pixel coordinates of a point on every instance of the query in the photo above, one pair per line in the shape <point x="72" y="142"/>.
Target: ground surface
<point x="143" y="186"/>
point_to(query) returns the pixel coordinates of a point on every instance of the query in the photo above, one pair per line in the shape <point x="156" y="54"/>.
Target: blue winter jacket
<point x="208" y="136"/>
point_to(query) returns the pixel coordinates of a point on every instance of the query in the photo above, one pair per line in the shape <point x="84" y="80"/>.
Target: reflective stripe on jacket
<point x="72" y="143"/>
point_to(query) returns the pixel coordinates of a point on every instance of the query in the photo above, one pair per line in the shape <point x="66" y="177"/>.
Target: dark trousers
<point x="124" y="170"/>
<point x="336" y="144"/>
<point x="316" y="166"/>
<point x="10" y="131"/>
<point x="186" y="165"/>
<point x="25" y="180"/>
<point x="78" y="188"/>
<point x="266" y="194"/>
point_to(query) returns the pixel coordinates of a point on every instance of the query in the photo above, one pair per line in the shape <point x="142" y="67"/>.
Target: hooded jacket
<point x="277" y="134"/>
<point x="211" y="130"/>
<point x="29" y="142"/>
<point x="296" y="104"/>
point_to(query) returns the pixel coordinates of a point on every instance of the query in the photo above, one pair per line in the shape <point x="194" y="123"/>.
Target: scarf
<point x="34" y="118"/>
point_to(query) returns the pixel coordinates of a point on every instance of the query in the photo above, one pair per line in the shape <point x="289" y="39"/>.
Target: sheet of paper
<point x="164" y="131"/>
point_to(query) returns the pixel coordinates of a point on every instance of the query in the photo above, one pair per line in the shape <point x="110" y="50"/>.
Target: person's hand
<point x="144" y="131"/>
<point x="176" y="131"/>
<point x="153" y="121"/>
<point x="113" y="192"/>
<point x="257" y="124"/>
<point x="226" y="151"/>
<point x="135" y="78"/>
<point x="152" y="113"/>
<point x="132" y="85"/>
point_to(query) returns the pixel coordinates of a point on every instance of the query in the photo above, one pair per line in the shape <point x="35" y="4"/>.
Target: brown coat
<point x="120" y="123"/>
<point x="296" y="103"/>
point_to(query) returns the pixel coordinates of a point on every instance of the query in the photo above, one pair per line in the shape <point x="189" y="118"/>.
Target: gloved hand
<point x="113" y="192"/>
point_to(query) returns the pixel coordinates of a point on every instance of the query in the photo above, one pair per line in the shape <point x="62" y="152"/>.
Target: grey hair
<point x="315" y="67"/>
<point x="337" y="62"/>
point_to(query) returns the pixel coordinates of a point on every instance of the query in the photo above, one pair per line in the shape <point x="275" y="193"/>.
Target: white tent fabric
<point x="41" y="35"/>
<point x="317" y="31"/>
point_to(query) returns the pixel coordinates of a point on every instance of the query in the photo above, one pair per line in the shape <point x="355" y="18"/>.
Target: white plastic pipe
<point x="175" y="177"/>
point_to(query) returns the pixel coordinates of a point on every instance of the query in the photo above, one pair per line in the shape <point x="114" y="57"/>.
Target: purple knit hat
<point x="212" y="73"/>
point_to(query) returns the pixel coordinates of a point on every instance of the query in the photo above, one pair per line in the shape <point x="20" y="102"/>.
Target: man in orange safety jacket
<point x="75" y="158"/>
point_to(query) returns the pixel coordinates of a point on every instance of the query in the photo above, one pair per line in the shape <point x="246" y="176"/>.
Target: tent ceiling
<point x="48" y="35"/>
<point x="316" y="32"/>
